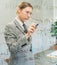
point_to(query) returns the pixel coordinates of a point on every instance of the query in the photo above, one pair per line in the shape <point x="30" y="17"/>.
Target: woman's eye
<point x="28" y="12"/>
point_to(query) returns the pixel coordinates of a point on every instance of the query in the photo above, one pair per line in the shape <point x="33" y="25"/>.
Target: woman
<point x="18" y="37"/>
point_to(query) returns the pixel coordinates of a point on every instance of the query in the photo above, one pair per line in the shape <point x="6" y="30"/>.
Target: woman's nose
<point x="29" y="15"/>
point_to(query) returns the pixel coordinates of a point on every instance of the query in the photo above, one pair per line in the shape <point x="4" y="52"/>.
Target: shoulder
<point x="10" y="25"/>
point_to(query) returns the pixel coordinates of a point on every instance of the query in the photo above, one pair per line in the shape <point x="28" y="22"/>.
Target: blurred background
<point x="44" y="13"/>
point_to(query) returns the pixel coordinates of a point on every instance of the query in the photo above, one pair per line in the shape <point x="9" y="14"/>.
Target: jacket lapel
<point x="18" y="26"/>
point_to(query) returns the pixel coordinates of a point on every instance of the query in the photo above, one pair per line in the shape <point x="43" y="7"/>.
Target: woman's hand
<point x="31" y="30"/>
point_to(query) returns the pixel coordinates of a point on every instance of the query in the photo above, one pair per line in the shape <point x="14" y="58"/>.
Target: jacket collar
<point x="19" y="26"/>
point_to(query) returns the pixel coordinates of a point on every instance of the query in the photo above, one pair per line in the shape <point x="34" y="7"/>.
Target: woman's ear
<point x="18" y="10"/>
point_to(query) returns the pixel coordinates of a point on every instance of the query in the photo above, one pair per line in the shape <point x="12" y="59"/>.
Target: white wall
<point x="44" y="13"/>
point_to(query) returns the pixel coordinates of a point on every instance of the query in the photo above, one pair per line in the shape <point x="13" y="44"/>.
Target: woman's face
<point x="24" y="14"/>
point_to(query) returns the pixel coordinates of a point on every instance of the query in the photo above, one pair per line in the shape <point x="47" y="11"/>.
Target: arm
<point x="14" y="42"/>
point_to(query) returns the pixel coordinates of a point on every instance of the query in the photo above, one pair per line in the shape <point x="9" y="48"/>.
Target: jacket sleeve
<point x="15" y="43"/>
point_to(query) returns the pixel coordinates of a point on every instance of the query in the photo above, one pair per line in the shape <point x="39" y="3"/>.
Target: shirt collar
<point x="21" y="24"/>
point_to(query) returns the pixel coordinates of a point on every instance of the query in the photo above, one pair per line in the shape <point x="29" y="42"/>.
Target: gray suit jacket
<point x="18" y="45"/>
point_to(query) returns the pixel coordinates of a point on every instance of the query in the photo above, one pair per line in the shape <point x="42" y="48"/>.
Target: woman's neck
<point x="20" y="19"/>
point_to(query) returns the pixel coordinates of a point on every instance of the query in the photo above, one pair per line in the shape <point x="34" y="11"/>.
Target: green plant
<point x="54" y="30"/>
